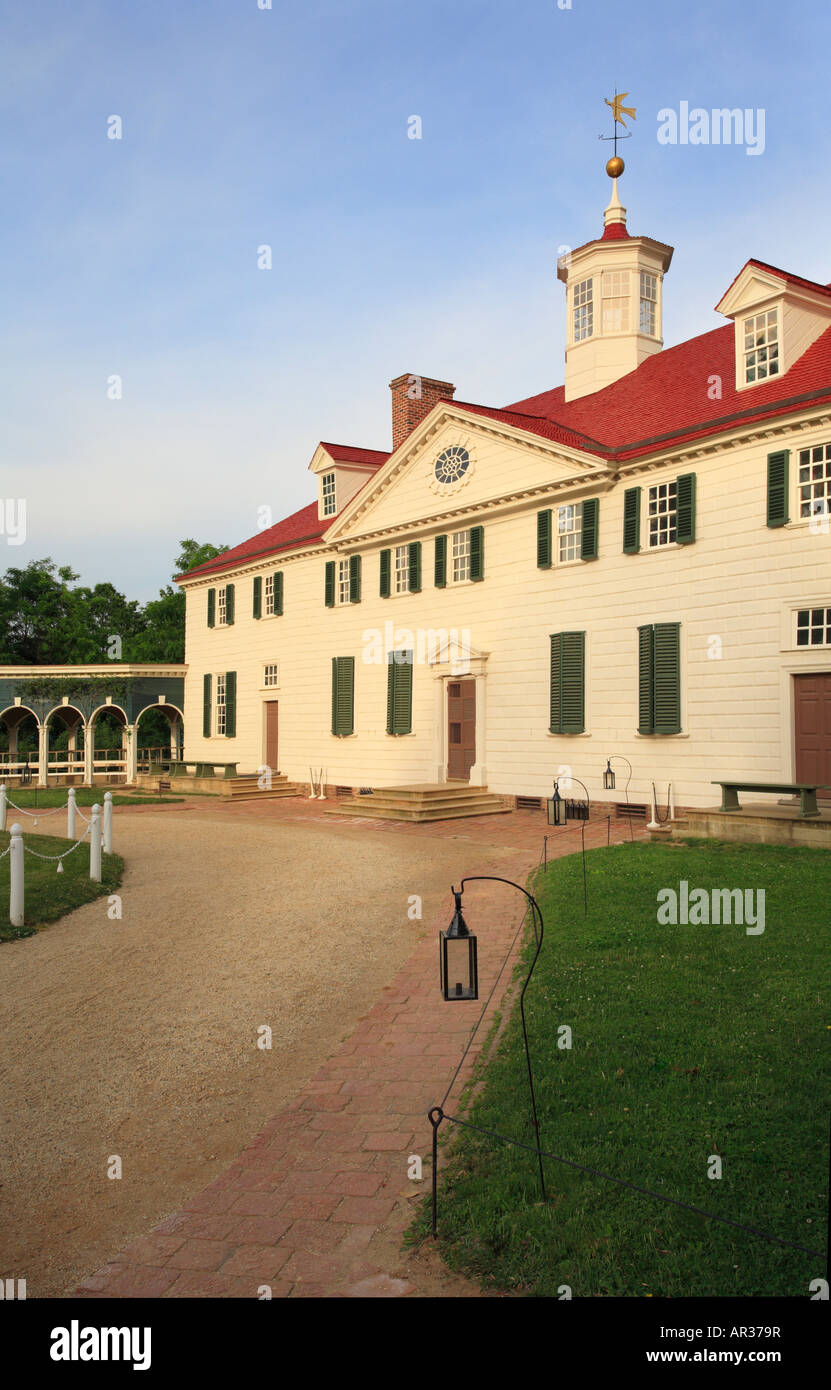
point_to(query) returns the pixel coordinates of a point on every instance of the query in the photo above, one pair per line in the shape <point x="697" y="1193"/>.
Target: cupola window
<point x="582" y="311"/>
<point x="616" y="301"/>
<point x="649" y="303"/>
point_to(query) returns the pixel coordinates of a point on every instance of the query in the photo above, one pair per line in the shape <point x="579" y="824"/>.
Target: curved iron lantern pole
<point x="492" y="878"/>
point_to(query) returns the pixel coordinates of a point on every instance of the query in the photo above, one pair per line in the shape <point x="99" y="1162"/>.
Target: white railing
<point x="100" y="831"/>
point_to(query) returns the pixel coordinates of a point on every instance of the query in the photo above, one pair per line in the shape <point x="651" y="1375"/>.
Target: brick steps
<point x="420" y="804"/>
<point x="245" y="788"/>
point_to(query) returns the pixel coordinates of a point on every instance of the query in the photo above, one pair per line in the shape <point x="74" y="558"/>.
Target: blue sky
<point x="288" y="127"/>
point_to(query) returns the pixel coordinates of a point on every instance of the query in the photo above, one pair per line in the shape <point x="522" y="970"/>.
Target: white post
<point x="108" y="822"/>
<point x="322" y="794"/>
<point x="653" y="824"/>
<point x="3" y="806"/>
<point x="16" y="877"/>
<point x="95" y="844"/>
<point x="70" y="814"/>
<point x="671" y="803"/>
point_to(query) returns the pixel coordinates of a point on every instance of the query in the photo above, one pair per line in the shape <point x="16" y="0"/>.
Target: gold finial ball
<point x="615" y="167"/>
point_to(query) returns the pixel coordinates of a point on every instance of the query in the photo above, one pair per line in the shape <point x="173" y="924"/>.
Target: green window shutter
<point x="206" y="706"/>
<point x="631" y="521"/>
<point x="343" y="695"/>
<point x="544" y="540"/>
<point x="230" y="704"/>
<point x="646" y="700"/>
<point x="477" y="553"/>
<point x="685" y="516"/>
<point x="400" y="693"/>
<point x="568" y="683"/>
<point x="229" y="605"/>
<point x="330" y="584"/>
<point x="414" y="558"/>
<point x="211" y="607"/>
<point x="666" y="666"/>
<point x="354" y="578"/>
<point x="778" y="488"/>
<point x="278" y="593"/>
<point x="588" y="537"/>
<point x="440" y="562"/>
<point x="258" y="596"/>
<point x="385" y="574"/>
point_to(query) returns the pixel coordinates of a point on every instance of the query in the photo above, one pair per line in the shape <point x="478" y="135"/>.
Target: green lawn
<point x="688" y="1041"/>
<point x="32" y="797"/>
<point x="48" y="894"/>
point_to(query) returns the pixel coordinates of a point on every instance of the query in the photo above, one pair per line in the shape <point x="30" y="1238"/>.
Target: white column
<point x="131" y="738"/>
<point x="3" y="806"/>
<point x="89" y="753"/>
<point x="440" y="730"/>
<point x="43" y="752"/>
<point x="95" y="844"/>
<point x="479" y="771"/>
<point x="16" y="891"/>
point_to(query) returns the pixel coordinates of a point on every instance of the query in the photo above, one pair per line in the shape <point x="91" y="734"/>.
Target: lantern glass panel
<point x="459" y="975"/>
<point x="556" y="810"/>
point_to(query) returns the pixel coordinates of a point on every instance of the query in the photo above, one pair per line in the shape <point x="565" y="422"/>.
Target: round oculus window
<point x="452" y="464"/>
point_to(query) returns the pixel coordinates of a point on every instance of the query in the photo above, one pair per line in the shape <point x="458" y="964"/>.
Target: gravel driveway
<point x="138" y="1037"/>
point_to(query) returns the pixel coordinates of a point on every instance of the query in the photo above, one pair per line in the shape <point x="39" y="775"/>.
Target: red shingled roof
<point x="346" y="453"/>
<point x="301" y="528"/>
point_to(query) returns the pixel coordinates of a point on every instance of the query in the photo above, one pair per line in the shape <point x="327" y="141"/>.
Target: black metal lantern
<point x="556" y="807"/>
<point x="25" y="775"/>
<point x="609" y="777"/>
<point x="457" y="956"/>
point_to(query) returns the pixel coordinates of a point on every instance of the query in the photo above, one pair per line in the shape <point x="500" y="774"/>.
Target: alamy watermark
<point x="712" y="906"/>
<point x="721" y="126"/>
<point x="422" y="646"/>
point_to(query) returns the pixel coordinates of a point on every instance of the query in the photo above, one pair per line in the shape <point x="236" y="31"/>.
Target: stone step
<point x="421" y="804"/>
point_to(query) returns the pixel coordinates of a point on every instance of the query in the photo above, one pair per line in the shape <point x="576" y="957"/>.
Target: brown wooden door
<point x="461" y="728"/>
<point x="812" y="728"/>
<point x="271" y="709"/>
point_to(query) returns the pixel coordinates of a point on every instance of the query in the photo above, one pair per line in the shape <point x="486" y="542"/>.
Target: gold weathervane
<point x="615" y="165"/>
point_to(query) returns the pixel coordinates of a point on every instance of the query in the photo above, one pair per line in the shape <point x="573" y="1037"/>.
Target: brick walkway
<point x="318" y="1202"/>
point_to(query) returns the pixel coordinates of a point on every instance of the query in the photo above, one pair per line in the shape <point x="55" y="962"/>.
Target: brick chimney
<point x="413" y="397"/>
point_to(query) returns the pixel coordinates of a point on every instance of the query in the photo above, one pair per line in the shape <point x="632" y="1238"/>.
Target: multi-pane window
<point x="220" y="706"/>
<point x="329" y="504"/>
<point x="221" y="607"/>
<point x="761" y="346"/>
<point x="615" y="301"/>
<point x="461" y="556"/>
<point x="269" y="593"/>
<point x="582" y="311"/>
<point x="813" y="627"/>
<point x="649" y="303"/>
<point x="271" y="675"/>
<point x="815" y="481"/>
<point x="569" y="531"/>
<point x="402" y="569"/>
<point x="663" y="513"/>
<point x="343" y="592"/>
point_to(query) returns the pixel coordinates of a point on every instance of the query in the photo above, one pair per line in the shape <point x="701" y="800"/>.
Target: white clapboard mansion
<point x="635" y="563"/>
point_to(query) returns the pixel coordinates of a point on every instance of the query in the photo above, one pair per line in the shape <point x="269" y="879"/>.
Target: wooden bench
<point x="204" y="768"/>
<point x="806" y="791"/>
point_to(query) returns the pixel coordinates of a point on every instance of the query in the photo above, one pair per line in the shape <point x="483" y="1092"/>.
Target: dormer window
<point x="328" y="494"/>
<point x="582" y="318"/>
<point x="649" y="304"/>
<point x="761" y="346"/>
<point x="615" y="317"/>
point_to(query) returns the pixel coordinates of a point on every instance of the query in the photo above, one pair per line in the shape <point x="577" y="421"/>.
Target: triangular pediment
<point x="752" y="286"/>
<point x="458" y="463"/>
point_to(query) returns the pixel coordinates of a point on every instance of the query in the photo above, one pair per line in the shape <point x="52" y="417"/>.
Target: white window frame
<point x="328" y="494"/>
<point x="220" y="705"/>
<point x="649" y="301"/>
<point x="460" y="557"/>
<point x="665" y="505"/>
<point x="222" y="607"/>
<point x="401" y="569"/>
<point x="813" y="495"/>
<point x="572" y="535"/>
<point x="343" y="592"/>
<point x="750" y="324"/>
<point x="271" y="675"/>
<point x="615" y="301"/>
<point x="824" y="627"/>
<point x="582" y="310"/>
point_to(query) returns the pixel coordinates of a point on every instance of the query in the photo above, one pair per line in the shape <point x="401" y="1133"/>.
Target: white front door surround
<point x="467" y="665"/>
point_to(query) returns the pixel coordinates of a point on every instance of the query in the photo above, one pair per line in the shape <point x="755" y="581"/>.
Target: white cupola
<point x="614" y="295"/>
